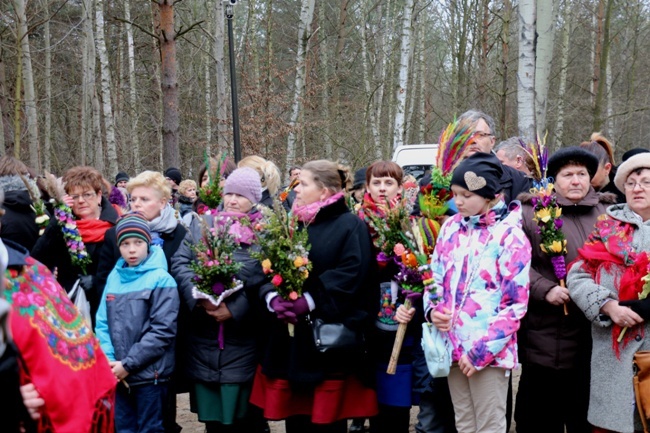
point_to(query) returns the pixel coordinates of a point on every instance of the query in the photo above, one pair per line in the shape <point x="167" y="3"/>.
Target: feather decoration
<point x="539" y="153"/>
<point x="452" y="144"/>
<point x="54" y="187"/>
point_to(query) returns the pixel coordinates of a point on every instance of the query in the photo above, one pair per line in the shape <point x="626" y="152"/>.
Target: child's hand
<point x="32" y="400"/>
<point x="221" y="313"/>
<point x="402" y="315"/>
<point x="465" y="366"/>
<point x="442" y="320"/>
<point x="118" y="370"/>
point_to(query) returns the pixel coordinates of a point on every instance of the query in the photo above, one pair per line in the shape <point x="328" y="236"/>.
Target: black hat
<point x="174" y="174"/>
<point x="573" y="155"/>
<point x="359" y="178"/>
<point x="120" y="177"/>
<point x="480" y="173"/>
<point x="630" y="153"/>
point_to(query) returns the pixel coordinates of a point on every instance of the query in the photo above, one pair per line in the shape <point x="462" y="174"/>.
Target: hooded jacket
<point x="136" y="321"/>
<point x="548" y="337"/>
<point x="18" y="222"/>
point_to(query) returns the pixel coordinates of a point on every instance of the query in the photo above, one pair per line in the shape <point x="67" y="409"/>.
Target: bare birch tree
<point x="47" y="136"/>
<point x="133" y="100"/>
<point x="545" y="27"/>
<point x="526" y="70"/>
<point x="306" y="17"/>
<point x="400" y="108"/>
<point x="564" y="65"/>
<point x="220" y="65"/>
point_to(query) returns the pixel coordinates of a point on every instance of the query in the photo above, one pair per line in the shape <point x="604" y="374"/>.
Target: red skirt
<point x="327" y="402"/>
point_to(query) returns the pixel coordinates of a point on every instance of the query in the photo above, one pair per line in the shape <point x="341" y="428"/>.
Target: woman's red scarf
<point x="609" y="249"/>
<point x="93" y="231"/>
<point x="60" y="354"/>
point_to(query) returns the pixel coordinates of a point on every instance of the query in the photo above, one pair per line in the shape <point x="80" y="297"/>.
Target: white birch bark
<point x="383" y="50"/>
<point x="422" y="74"/>
<point x="610" y="108"/>
<point x="133" y="100"/>
<point x="31" y="116"/>
<point x="564" y="64"/>
<point x="306" y="17"/>
<point x="374" y="125"/>
<point x="325" y="94"/>
<point x="106" y="89"/>
<point x="400" y="107"/>
<point x="545" y="26"/>
<point x="414" y="77"/>
<point x="47" y="139"/>
<point x="207" y="61"/>
<point x="220" y="65"/>
<point x="526" y="71"/>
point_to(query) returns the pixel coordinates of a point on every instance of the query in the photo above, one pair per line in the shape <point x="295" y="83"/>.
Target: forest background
<point x="143" y="84"/>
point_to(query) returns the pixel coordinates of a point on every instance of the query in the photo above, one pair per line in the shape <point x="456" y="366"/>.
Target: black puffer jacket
<point x="547" y="336"/>
<point x="205" y="362"/>
<point x="341" y="257"/>
<point x="18" y="222"/>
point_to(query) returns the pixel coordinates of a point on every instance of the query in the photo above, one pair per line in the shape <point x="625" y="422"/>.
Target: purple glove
<point x="279" y="306"/>
<point x="296" y="308"/>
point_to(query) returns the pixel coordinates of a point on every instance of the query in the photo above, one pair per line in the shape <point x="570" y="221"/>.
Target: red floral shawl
<point x="609" y="249"/>
<point x="60" y="354"/>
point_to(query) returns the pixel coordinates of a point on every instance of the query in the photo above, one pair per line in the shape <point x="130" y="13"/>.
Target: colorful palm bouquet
<point x="454" y="141"/>
<point x="284" y="252"/>
<point x="211" y="194"/>
<point x="635" y="283"/>
<point x="215" y="267"/>
<point x="547" y="214"/>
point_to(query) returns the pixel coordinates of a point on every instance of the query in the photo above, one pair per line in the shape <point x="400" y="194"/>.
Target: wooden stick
<point x="399" y="339"/>
<point x="566" y="309"/>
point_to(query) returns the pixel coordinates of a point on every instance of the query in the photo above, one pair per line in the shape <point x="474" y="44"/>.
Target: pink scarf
<point x="308" y="212"/>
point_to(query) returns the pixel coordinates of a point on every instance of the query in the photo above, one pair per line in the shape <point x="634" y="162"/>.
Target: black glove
<point x="86" y="282"/>
<point x="640" y="307"/>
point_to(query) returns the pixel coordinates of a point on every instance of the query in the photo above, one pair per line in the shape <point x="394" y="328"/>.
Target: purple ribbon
<point x="559" y="266"/>
<point x="220" y="337"/>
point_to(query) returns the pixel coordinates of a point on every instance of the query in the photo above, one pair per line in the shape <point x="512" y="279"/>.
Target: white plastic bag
<point x="78" y="298"/>
<point x="437" y="351"/>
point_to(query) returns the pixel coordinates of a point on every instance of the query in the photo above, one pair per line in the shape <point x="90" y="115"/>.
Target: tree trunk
<point x="106" y="88"/>
<point x="526" y="71"/>
<point x="306" y="17"/>
<point x="31" y="116"/>
<point x="505" y="57"/>
<point x="399" y="128"/>
<point x="422" y="73"/>
<point x="374" y="125"/>
<point x="338" y="72"/>
<point x="566" y="31"/>
<point x="7" y="137"/>
<point x="220" y="65"/>
<point x="133" y="100"/>
<point x="207" y="62"/>
<point x="545" y="26"/>
<point x="595" y="55"/>
<point x="483" y="57"/>
<point x="169" y="83"/>
<point x="604" y="58"/>
<point x="325" y="73"/>
<point x="47" y="140"/>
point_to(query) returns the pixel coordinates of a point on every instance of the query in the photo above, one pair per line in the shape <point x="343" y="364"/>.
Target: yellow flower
<point x="298" y="262"/>
<point x="542" y="247"/>
<point x="557" y="247"/>
<point x="305" y="275"/>
<point x="558" y="212"/>
<point x="543" y="215"/>
<point x="266" y="266"/>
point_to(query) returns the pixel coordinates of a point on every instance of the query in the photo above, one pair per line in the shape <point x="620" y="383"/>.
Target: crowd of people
<point x="130" y="247"/>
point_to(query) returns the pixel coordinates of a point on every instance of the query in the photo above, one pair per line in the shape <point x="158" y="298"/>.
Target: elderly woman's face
<point x="148" y="201"/>
<point x="637" y="193"/>
<point x="572" y="182"/>
<point x="85" y="202"/>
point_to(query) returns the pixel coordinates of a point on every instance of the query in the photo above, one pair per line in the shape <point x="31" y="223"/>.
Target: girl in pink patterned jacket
<point x="481" y="269"/>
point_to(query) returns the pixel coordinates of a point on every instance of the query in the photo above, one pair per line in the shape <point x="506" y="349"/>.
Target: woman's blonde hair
<point x="268" y="171"/>
<point x="12" y="166"/>
<point x="150" y="179"/>
<point x="185" y="185"/>
<point x="330" y="175"/>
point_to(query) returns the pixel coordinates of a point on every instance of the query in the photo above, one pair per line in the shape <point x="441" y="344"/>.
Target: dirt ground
<point x="190" y="424"/>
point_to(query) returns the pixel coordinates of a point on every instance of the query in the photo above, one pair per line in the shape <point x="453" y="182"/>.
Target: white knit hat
<point x="641" y="160"/>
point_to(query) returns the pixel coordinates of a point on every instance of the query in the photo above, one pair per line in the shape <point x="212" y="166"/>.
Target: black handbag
<point x="334" y="337"/>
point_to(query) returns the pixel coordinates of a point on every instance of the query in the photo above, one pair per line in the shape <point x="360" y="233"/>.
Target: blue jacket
<point x="136" y="321"/>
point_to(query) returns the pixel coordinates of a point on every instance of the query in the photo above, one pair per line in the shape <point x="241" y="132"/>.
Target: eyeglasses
<point x="483" y="134"/>
<point x="86" y="196"/>
<point x="644" y="184"/>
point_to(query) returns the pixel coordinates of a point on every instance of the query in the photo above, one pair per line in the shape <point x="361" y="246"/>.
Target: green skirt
<point x="224" y="403"/>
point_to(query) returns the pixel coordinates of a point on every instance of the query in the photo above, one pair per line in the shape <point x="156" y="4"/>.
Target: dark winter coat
<point x="548" y="337"/>
<point x="611" y="187"/>
<point x="51" y="250"/>
<point x="341" y="257"/>
<point x="267" y="199"/>
<point x="18" y="222"/>
<point x="184" y="205"/>
<point x="205" y="362"/>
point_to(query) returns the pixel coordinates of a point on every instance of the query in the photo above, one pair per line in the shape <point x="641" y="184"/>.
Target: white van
<point x="416" y="159"/>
